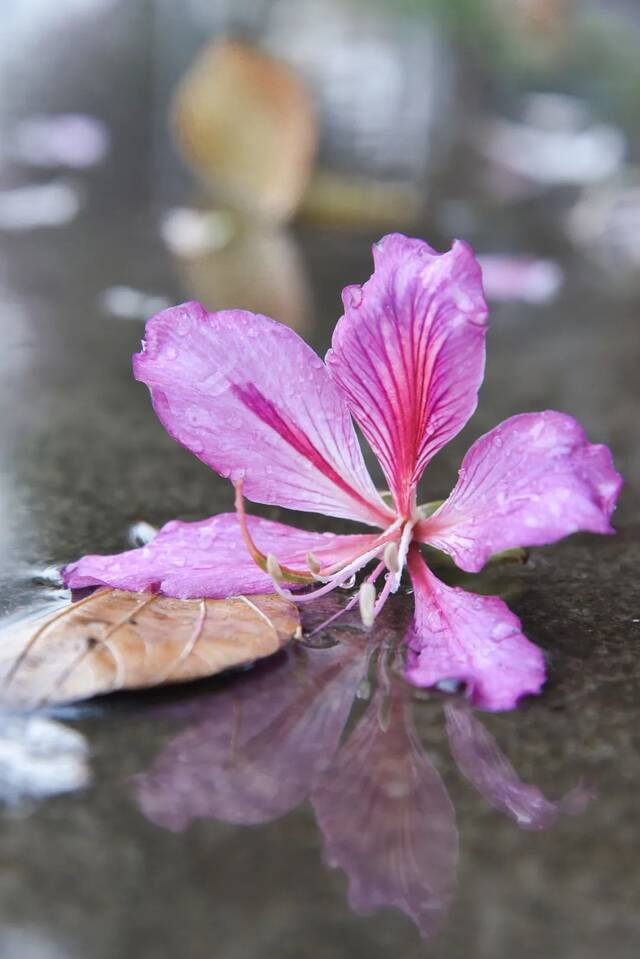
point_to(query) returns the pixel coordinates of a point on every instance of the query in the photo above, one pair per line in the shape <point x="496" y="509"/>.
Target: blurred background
<point x="246" y="153"/>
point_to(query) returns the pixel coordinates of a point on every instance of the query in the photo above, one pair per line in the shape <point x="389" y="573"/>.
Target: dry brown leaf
<point x="118" y="640"/>
<point x="245" y="124"/>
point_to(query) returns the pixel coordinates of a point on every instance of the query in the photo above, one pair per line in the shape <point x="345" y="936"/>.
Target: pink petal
<point x="409" y="354"/>
<point x="530" y="481"/>
<point x="254" y="749"/>
<point x="254" y="402"/>
<point x="471" y="639"/>
<point x="210" y="558"/>
<point x="481" y="761"/>
<point x="387" y="819"/>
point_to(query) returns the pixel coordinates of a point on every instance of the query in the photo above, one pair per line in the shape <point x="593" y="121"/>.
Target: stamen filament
<point x="335" y="581"/>
<point x="260" y="558"/>
<point x="371" y="578"/>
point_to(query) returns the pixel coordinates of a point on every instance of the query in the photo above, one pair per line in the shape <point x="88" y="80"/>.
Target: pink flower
<point x="255" y="403"/>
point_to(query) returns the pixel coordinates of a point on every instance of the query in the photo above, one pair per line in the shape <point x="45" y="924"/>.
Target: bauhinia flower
<point x="255" y="403"/>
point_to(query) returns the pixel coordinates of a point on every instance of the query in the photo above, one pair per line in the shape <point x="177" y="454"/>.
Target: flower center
<point x="390" y="550"/>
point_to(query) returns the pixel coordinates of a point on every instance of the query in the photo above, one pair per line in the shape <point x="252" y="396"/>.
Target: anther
<point x="273" y="569"/>
<point x="313" y="563"/>
<point x="367" y="601"/>
<point x="391" y="558"/>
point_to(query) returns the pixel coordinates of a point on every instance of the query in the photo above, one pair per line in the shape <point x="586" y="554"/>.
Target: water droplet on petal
<point x="449" y="685"/>
<point x="501" y="631"/>
<point x="349" y="583"/>
<point x="354" y="296"/>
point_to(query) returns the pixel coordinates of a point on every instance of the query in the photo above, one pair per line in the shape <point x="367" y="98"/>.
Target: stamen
<point x="371" y="578"/>
<point x="391" y="558"/>
<point x="274" y="569"/>
<point x="383" y="538"/>
<point x="367" y="601"/>
<point x="403" y="549"/>
<point x="259" y="558"/>
<point x="384" y="594"/>
<point x="313" y="563"/>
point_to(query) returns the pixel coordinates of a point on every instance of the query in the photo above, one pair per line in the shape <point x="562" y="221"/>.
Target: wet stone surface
<point x="89" y="874"/>
<point x="193" y="821"/>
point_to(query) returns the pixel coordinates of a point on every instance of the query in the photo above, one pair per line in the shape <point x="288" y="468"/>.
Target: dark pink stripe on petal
<point x="288" y="435"/>
<point x="291" y="433"/>
<point x="409" y="354"/>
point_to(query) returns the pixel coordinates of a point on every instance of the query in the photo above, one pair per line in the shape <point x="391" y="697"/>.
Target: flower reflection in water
<point x="385" y="814"/>
<point x="268" y="740"/>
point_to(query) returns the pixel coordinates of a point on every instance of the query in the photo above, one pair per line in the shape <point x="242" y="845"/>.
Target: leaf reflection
<point x="270" y="739"/>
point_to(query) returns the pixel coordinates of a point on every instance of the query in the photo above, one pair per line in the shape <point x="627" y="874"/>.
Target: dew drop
<point x="501" y="631"/>
<point x="196" y="416"/>
<point x="354" y="294"/>
<point x="349" y="583"/>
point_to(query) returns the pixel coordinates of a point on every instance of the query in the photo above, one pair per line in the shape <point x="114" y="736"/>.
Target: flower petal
<point x="409" y="354"/>
<point x="532" y="480"/>
<point x="254" y="402"/>
<point x="210" y="558"/>
<point x="471" y="639"/>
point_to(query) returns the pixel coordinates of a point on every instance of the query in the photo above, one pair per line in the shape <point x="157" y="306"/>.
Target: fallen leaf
<point x="114" y="640"/>
<point x="245" y="125"/>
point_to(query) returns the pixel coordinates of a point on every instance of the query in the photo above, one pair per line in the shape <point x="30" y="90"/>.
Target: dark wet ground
<point x="88" y="875"/>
